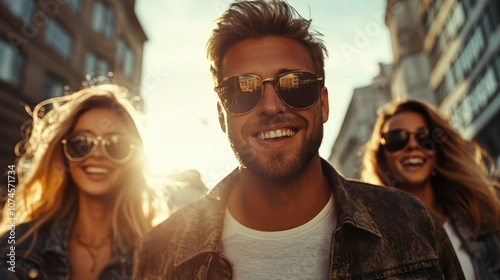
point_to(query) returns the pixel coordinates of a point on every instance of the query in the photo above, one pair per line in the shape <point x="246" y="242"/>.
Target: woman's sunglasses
<point x="116" y="147"/>
<point x="241" y="94"/>
<point x="397" y="139"/>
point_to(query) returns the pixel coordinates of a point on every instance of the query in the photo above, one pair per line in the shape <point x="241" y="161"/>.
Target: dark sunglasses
<point x="241" y="94"/>
<point x="116" y="147"/>
<point x="397" y="139"/>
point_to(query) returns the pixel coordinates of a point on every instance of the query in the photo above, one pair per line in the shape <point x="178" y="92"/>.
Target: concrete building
<point x="46" y="45"/>
<point x="448" y="53"/>
<point x="411" y="65"/>
<point x="462" y="38"/>
<point x="358" y="123"/>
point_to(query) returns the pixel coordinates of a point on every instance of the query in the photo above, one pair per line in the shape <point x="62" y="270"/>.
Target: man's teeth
<point x="276" y="133"/>
<point x="97" y="170"/>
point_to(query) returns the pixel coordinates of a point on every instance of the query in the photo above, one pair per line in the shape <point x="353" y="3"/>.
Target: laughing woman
<point x="82" y="201"/>
<point x="416" y="150"/>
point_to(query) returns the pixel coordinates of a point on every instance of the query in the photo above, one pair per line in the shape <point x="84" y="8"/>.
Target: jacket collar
<point x="209" y="213"/>
<point x="58" y="234"/>
<point x="350" y="207"/>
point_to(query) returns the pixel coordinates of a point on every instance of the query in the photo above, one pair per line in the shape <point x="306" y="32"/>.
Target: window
<point x="428" y="18"/>
<point x="74" y="5"/>
<point x="454" y="22"/>
<point x="52" y="87"/>
<point x="467" y="6"/>
<point x="432" y="11"/>
<point x="95" y="65"/>
<point x="12" y="64"/>
<point x="449" y="81"/>
<point x="441" y="91"/>
<point x="497" y="65"/>
<point x="23" y="9"/>
<point x="125" y="57"/>
<point x="469" y="55"/>
<point x="493" y="9"/>
<point x="58" y="38"/>
<point x="435" y="54"/>
<point x="486" y="24"/>
<point x="482" y="92"/>
<point x="103" y="19"/>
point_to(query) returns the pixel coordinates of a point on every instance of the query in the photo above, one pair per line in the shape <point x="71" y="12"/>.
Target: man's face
<point x="273" y="141"/>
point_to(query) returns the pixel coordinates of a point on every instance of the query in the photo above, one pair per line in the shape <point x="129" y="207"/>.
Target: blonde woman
<point x="415" y="149"/>
<point x="82" y="203"/>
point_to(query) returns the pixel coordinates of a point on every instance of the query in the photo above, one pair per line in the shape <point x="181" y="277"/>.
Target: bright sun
<point x="185" y="142"/>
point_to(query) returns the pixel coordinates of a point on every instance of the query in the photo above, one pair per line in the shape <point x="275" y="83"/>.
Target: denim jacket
<point x="483" y="250"/>
<point x="49" y="257"/>
<point x="381" y="233"/>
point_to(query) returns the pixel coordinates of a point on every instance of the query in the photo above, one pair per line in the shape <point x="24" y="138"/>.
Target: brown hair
<point x="256" y="19"/>
<point x="462" y="179"/>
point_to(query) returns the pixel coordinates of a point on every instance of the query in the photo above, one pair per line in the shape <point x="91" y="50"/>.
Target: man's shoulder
<point x="192" y="217"/>
<point x="372" y="196"/>
<point x="383" y="196"/>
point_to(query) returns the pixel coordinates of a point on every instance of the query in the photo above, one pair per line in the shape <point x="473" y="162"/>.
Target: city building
<point x="463" y="42"/>
<point x="48" y="46"/>
<point x="462" y="38"/>
<point x="358" y="123"/>
<point x="411" y="66"/>
<point x="448" y="53"/>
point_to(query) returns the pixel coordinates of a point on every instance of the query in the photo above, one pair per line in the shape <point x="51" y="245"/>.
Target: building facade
<point x="48" y="47"/>
<point x="448" y="53"/>
<point x="462" y="39"/>
<point x="411" y="66"/>
<point x="358" y="123"/>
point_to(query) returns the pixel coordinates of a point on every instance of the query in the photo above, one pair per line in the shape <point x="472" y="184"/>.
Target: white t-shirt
<point x="463" y="257"/>
<point x="299" y="253"/>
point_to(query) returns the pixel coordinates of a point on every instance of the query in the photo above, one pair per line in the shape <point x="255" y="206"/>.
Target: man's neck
<point x="267" y="206"/>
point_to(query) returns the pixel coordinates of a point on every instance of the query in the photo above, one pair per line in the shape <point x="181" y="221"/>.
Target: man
<point x="286" y="213"/>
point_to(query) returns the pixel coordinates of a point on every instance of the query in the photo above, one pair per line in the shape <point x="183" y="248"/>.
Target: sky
<point x="182" y="128"/>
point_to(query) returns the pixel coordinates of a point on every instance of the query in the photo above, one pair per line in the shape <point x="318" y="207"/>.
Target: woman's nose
<point x="412" y="141"/>
<point x="97" y="151"/>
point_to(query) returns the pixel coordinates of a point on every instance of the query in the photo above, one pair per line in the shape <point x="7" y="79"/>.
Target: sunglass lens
<point x="395" y="140"/>
<point x="117" y="146"/>
<point x="299" y="89"/>
<point x="79" y="145"/>
<point x="240" y="94"/>
<point x="424" y="140"/>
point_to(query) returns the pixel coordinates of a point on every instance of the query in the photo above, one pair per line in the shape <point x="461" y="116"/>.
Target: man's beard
<point x="279" y="166"/>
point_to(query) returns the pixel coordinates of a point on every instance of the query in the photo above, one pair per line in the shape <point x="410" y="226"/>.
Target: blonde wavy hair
<point x="46" y="193"/>
<point x="462" y="178"/>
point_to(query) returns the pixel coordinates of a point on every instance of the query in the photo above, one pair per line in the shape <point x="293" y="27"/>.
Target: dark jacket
<point x="49" y="257"/>
<point x="381" y="233"/>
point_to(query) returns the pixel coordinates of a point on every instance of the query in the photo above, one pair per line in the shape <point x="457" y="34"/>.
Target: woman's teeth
<point x="412" y="162"/>
<point x="96" y="170"/>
